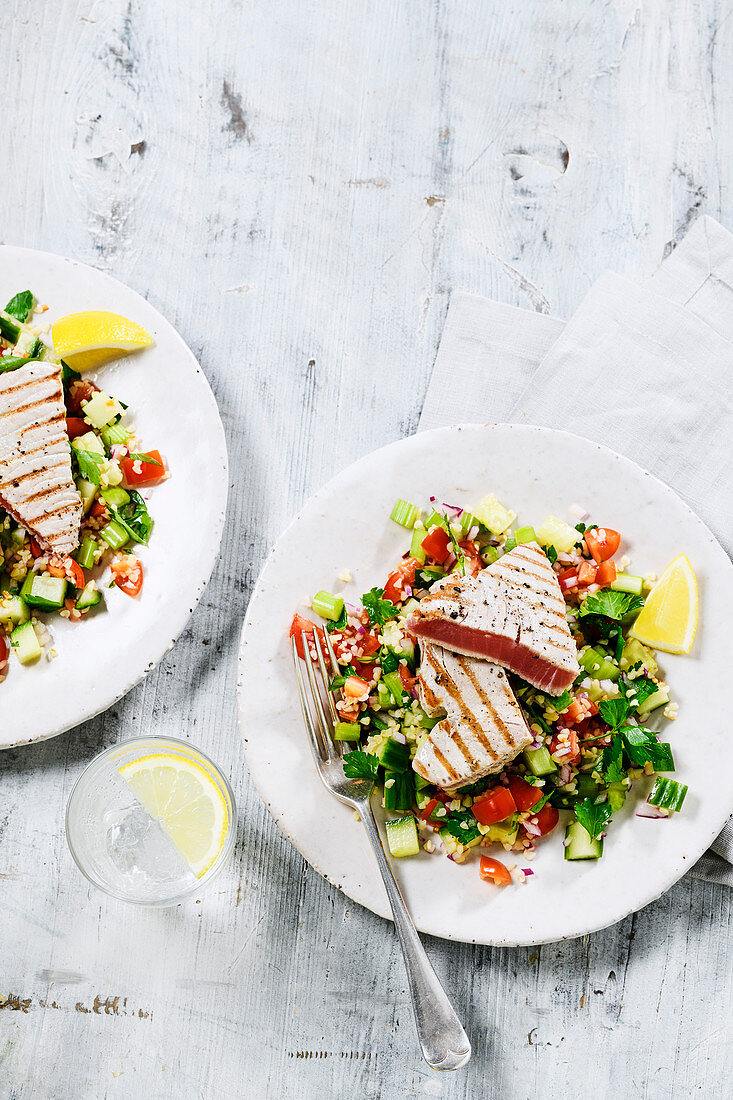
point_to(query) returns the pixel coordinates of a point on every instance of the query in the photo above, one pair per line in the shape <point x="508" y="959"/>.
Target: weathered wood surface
<point x="298" y="186"/>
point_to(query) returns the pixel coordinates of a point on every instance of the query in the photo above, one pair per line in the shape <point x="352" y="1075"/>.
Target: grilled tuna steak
<point x="512" y="613"/>
<point x="484" y="728"/>
<point x="36" y="485"/>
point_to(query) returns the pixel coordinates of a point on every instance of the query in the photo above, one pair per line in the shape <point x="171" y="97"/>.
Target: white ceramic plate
<point x="346" y="525"/>
<point x="172" y="409"/>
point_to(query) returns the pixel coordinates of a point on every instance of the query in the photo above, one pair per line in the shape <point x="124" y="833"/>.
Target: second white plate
<point x="172" y="409"/>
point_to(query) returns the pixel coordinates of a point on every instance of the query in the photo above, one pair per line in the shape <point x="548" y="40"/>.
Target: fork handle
<point x="444" y="1043"/>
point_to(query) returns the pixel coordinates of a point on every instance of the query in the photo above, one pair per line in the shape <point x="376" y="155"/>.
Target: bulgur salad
<point x="71" y="471"/>
<point x="584" y="746"/>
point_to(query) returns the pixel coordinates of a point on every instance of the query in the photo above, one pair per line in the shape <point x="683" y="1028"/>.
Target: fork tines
<point x="319" y="718"/>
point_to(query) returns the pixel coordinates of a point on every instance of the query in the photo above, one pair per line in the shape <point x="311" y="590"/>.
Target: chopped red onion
<point x="532" y="828"/>
<point x="647" y="810"/>
<point x="473" y="532"/>
<point x="579" y="511"/>
<point x="352" y="609"/>
<point x="450" y="561"/>
<point x="564" y="774"/>
<point x="400" y="737"/>
<point x="432" y="499"/>
<point x="360" y="630"/>
<point x="408" y="590"/>
<point x="527" y="871"/>
<point x="454" y="509"/>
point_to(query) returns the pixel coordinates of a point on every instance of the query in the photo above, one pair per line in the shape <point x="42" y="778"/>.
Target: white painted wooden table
<point x="298" y="186"/>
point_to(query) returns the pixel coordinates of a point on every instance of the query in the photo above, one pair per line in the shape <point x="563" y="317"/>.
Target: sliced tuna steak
<point x="512" y="613"/>
<point x="36" y="484"/>
<point x="484" y="728"/>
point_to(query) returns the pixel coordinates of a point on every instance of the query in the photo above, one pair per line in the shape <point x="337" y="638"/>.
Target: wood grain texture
<point x="298" y="187"/>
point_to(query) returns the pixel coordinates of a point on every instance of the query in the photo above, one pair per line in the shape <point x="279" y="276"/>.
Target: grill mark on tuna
<point x="452" y="773"/>
<point x="452" y="689"/>
<point x="485" y="699"/>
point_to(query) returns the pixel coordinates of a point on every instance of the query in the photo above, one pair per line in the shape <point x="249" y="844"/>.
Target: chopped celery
<point x="416" y="550"/>
<point x="510" y="543"/>
<point x="525" y="534"/>
<point x="114" y="534"/>
<point x="404" y="513"/>
<point x="86" y="490"/>
<point x="383" y="695"/>
<point x="467" y="521"/>
<point x="85" y="552"/>
<point x="539" y="761"/>
<point x="435" y="519"/>
<point x="393" y="683"/>
<point x="402" y="837"/>
<point x="327" y="605"/>
<point x="114" y="434"/>
<point x="627" y="582"/>
<point x="668" y="794"/>
<point x="346" y="731"/>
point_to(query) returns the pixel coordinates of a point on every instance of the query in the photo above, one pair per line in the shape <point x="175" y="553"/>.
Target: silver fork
<point x="444" y="1043"/>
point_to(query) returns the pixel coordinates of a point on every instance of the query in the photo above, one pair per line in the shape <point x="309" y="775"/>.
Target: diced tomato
<point x="4" y="650"/>
<point x="428" y="808"/>
<point x="35" y="549"/>
<point x="99" y="508"/>
<point x="493" y="870"/>
<point x="546" y="819"/>
<point x="408" y="680"/>
<point x="472" y="557"/>
<point x="581" y="707"/>
<point x="298" y="625"/>
<point x="603" y="542"/>
<point x="523" y="793"/>
<point x="443" y="797"/>
<point x="78" y="391"/>
<point x="128" y="574"/>
<point x="494" y="806"/>
<point x="139" y="472"/>
<point x="402" y="578"/>
<point x="355" y="687"/>
<point x="75" y="426"/>
<point x="68" y="568"/>
<point x="566" y="751"/>
<point x="606" y="573"/>
<point x="437" y="545"/>
<point x="586" y="574"/>
<point x="369" y="644"/>
<point x="568" y="579"/>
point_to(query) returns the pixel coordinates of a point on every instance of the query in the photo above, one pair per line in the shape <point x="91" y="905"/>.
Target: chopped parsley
<point x="360" y="765"/>
<point x="551" y="553"/>
<point x="378" y="609"/>
<point x="21" y="305"/>
<point x="89" y="463"/>
<point x="593" y="816"/>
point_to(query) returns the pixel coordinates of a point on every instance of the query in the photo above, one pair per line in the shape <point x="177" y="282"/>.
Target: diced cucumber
<point x="90" y="597"/>
<point x="404" y="513"/>
<point x="525" y="534"/>
<point x="416" y="550"/>
<point x="586" y="786"/>
<point x="13" y="610"/>
<point x="101" y="409"/>
<point x="87" y="489"/>
<point x="627" y="582"/>
<point x="421" y="783"/>
<point x="27" y="344"/>
<point x="402" y="837"/>
<point x="635" y="653"/>
<point x="578" y="844"/>
<point x="393" y="684"/>
<point x="667" y="794"/>
<point x="25" y="643"/>
<point x="399" y="791"/>
<point x="504" y="832"/>
<point x="383" y="696"/>
<point x="555" y="532"/>
<point x="510" y="544"/>
<point x="397" y="641"/>
<point x="114" y="534"/>
<point x="88" y="442"/>
<point x="394" y="756"/>
<point x="659" y="699"/>
<point x="116" y="497"/>
<point x="494" y="515"/>
<point x="9" y="327"/>
<point x="45" y="593"/>
<point x="539" y="761"/>
<point x="597" y="664"/>
<point x="324" y="603"/>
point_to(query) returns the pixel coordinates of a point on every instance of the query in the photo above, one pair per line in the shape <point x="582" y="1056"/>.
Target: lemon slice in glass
<point x="668" y="619"/>
<point x="84" y="340"/>
<point x="187" y="803"/>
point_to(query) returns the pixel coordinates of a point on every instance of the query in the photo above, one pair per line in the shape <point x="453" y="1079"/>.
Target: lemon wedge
<point x="185" y="800"/>
<point x="668" y="619"/>
<point x="85" y="340"/>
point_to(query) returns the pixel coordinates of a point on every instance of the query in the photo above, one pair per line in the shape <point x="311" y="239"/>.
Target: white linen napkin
<point x="668" y="345"/>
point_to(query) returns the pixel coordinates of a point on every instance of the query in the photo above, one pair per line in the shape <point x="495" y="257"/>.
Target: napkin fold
<point x="666" y="350"/>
